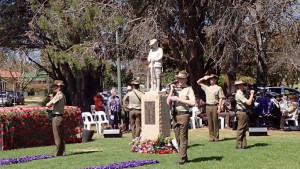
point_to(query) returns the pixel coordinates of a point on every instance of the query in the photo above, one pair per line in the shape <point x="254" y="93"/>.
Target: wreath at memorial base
<point x="160" y="145"/>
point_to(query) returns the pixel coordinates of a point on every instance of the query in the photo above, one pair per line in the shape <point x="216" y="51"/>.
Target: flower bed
<point x="157" y="146"/>
<point x="29" y="127"/>
<point x="126" y="164"/>
<point x="9" y="161"/>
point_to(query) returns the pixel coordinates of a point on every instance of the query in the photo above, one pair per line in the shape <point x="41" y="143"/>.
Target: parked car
<point x="5" y="100"/>
<point x="17" y="97"/>
<point x="20" y="98"/>
<point x="283" y="90"/>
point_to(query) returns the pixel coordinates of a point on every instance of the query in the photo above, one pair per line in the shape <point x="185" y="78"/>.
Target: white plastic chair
<point x="199" y="121"/>
<point x="92" y="109"/>
<point x="222" y="119"/>
<point x="194" y="118"/>
<point x="88" y="121"/>
<point x="100" y="118"/>
<point x="293" y="118"/>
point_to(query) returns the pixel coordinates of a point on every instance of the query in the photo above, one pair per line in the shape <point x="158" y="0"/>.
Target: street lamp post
<point x="118" y="67"/>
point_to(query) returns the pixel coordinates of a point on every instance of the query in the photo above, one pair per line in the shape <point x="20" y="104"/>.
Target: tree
<point x="82" y="38"/>
<point x="16" y="61"/>
<point x="14" y="18"/>
<point x="204" y="36"/>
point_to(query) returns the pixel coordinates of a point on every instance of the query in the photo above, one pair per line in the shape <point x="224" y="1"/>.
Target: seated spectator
<point x="276" y="110"/>
<point x="202" y="113"/>
<point x="263" y="110"/>
<point x="284" y="103"/>
<point x="228" y="110"/>
<point x="291" y="111"/>
<point x="98" y="102"/>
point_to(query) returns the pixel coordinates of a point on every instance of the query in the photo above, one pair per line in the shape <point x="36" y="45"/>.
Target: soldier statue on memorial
<point x="155" y="65"/>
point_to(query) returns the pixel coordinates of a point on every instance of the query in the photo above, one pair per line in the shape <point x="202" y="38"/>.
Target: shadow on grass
<point x="83" y="152"/>
<point x="195" y="145"/>
<point x="258" y="145"/>
<point x="200" y="159"/>
<point x="226" y="139"/>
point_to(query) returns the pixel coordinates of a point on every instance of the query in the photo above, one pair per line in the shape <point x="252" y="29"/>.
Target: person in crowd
<point x="98" y="99"/>
<point x="58" y="103"/>
<point x="114" y="109"/>
<point x="214" y="96"/>
<point x="202" y="113"/>
<point x="134" y="106"/>
<point x="126" y="110"/>
<point x="241" y="105"/>
<point x="284" y="102"/>
<point x="183" y="98"/>
<point x="276" y="110"/>
<point x="228" y="110"/>
<point x="291" y="111"/>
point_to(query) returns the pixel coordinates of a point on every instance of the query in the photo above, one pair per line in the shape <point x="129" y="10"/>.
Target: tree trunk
<point x="261" y="73"/>
<point x="196" y="70"/>
<point x="82" y="85"/>
<point x="194" y="38"/>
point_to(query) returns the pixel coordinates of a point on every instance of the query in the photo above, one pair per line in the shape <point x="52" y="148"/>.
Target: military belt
<point x="211" y="104"/>
<point x="54" y="115"/>
<point x="135" y="109"/>
<point x="182" y="112"/>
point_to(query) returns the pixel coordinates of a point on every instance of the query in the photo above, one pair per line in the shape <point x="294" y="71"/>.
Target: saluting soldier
<point x="214" y="96"/>
<point x="241" y="105"/>
<point x="133" y="98"/>
<point x="58" y="102"/>
<point x="183" y="98"/>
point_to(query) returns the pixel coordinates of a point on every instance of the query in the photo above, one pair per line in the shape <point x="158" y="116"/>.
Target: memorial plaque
<point x="155" y="116"/>
<point x="150" y="112"/>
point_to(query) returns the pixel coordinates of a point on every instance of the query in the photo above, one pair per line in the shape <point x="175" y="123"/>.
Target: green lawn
<point x="33" y="100"/>
<point x="298" y="86"/>
<point x="278" y="150"/>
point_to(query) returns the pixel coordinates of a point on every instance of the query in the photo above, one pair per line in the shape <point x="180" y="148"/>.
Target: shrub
<point x="29" y="127"/>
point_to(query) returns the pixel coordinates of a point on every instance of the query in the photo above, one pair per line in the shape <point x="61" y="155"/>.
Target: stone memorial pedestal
<point x="155" y="116"/>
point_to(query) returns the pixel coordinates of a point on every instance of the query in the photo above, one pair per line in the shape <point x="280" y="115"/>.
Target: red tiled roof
<point x="8" y="74"/>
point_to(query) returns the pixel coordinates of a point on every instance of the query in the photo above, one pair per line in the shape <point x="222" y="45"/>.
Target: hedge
<point x="29" y="127"/>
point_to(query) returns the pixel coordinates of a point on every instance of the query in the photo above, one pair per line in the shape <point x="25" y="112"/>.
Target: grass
<point x="278" y="150"/>
<point x="298" y="86"/>
<point x="33" y="100"/>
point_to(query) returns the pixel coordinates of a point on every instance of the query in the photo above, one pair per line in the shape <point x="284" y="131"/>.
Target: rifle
<point x="152" y="75"/>
<point x="173" y="103"/>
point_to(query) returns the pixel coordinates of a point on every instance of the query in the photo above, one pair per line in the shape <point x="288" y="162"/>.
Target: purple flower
<point x="8" y="161"/>
<point x="126" y="164"/>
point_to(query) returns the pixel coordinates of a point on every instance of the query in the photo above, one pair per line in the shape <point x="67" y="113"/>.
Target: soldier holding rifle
<point x="182" y="96"/>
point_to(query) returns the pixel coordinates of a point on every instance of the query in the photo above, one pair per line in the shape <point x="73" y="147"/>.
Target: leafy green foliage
<point x="111" y="73"/>
<point x="14" y="19"/>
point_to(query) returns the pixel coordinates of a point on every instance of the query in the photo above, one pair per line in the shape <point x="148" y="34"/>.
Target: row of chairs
<point x="195" y="118"/>
<point x="98" y="118"/>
